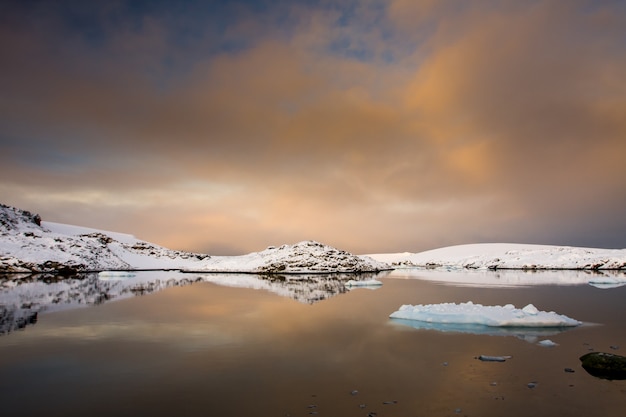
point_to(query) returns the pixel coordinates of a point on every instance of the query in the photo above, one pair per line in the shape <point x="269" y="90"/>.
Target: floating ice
<point x="487" y="358"/>
<point x="115" y="275"/>
<point x="608" y="282"/>
<point x="364" y="283"/>
<point x="477" y="314"/>
<point x="547" y="343"/>
<point x="607" y="286"/>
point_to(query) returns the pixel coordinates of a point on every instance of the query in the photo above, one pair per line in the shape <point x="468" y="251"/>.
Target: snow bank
<point x="477" y="314"/>
<point x="509" y="256"/>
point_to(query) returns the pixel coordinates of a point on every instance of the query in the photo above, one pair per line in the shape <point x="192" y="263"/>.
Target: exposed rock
<point x="604" y="365"/>
<point x="11" y="218"/>
<point x="314" y="257"/>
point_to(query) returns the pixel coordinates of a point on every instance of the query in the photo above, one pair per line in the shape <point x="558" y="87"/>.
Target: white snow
<point x="477" y="314"/>
<point x="509" y="256"/>
<point x="26" y="246"/>
<point x="71" y="230"/>
<point x="547" y="343"/>
<point x="301" y="258"/>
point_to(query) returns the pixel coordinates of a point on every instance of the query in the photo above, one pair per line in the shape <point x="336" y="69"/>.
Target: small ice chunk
<point x="364" y="283"/>
<point x="547" y="343"/>
<point x="115" y="275"/>
<point x="487" y="358"/>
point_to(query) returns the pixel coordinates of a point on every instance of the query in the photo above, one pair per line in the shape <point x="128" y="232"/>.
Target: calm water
<point x="206" y="349"/>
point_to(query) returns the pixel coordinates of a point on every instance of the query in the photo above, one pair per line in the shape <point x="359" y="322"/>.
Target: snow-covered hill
<point x="307" y="257"/>
<point x="509" y="256"/>
<point x="28" y="244"/>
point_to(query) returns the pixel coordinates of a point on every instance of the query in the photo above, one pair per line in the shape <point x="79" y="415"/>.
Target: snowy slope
<point x="29" y="245"/>
<point x="509" y="256"/>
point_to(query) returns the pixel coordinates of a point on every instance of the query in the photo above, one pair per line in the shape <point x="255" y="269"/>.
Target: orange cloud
<point x="398" y="128"/>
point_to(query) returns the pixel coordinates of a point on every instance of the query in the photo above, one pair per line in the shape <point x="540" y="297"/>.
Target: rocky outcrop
<point x="604" y="365"/>
<point x="11" y="218"/>
<point x="310" y="256"/>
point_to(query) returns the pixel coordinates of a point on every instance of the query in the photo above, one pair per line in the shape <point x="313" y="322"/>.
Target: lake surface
<point x="307" y="348"/>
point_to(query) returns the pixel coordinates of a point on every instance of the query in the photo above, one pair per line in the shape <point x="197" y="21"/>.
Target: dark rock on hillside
<point x="314" y="257"/>
<point x="11" y="218"/>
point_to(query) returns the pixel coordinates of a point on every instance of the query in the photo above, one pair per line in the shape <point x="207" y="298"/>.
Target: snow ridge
<point x="495" y="256"/>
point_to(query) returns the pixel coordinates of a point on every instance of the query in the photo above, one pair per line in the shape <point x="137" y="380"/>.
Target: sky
<point x="224" y="127"/>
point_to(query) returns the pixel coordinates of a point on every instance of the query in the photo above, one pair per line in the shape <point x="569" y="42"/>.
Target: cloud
<point x="373" y="126"/>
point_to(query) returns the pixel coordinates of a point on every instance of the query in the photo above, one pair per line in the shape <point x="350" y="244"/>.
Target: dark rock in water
<point x="604" y="365"/>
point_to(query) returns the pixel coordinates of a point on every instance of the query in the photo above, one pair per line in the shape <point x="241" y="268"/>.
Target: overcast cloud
<point x="374" y="126"/>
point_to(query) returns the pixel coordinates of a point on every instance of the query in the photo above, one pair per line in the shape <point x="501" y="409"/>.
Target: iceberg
<point x="608" y="282"/>
<point x="478" y="315"/>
